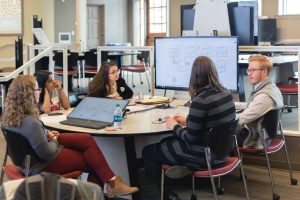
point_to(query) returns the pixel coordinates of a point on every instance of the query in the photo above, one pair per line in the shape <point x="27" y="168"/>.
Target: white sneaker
<point x="177" y="172"/>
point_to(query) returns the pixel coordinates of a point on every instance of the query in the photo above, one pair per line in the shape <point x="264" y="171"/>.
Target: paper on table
<point x="140" y="108"/>
<point x="155" y="100"/>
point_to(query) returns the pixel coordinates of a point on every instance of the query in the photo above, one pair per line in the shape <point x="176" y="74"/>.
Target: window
<point x="157" y="16"/>
<point x="289" y="7"/>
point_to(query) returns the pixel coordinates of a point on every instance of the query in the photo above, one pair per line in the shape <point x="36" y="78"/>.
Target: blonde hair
<point x="264" y="62"/>
<point x="20" y="101"/>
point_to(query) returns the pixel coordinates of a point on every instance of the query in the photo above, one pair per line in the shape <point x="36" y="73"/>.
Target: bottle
<point x="118" y="117"/>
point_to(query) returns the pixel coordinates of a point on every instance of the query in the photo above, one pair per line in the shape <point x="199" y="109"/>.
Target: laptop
<point x="95" y="113"/>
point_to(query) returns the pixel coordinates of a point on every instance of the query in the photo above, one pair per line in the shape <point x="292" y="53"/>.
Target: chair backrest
<point x="221" y="139"/>
<point x="73" y="58"/>
<point x="90" y="58"/>
<point x="144" y="56"/>
<point x="270" y="122"/>
<point x="73" y="99"/>
<point x="18" y="147"/>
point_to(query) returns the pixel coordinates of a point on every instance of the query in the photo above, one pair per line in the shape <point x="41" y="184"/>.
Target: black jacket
<point x="123" y="89"/>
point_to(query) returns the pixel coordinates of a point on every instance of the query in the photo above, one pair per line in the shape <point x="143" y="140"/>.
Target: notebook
<point x="93" y="112"/>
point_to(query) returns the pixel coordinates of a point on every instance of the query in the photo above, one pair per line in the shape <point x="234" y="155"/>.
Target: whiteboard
<point x="211" y="15"/>
<point x="174" y="57"/>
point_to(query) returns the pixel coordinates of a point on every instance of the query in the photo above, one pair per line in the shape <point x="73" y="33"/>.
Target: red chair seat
<point x="90" y="71"/>
<point x="230" y="165"/>
<point x="13" y="172"/>
<point x="134" y="68"/>
<point x="275" y="145"/>
<point x="60" y="72"/>
<point x="288" y="88"/>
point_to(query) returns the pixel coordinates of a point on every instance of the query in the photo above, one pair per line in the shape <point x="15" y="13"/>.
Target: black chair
<point x="222" y="141"/>
<point x="271" y="125"/>
<point x="73" y="66"/>
<point x="74" y="100"/>
<point x="22" y="155"/>
<point x="141" y="67"/>
<point x="90" y="66"/>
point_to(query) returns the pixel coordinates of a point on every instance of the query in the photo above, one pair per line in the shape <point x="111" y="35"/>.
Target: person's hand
<point x="57" y="84"/>
<point x="180" y="119"/>
<point x="171" y="122"/>
<point x="52" y="135"/>
<point x="118" y="98"/>
<point x="56" y="133"/>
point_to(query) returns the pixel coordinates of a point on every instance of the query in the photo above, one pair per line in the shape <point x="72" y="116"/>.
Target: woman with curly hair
<point x="108" y="83"/>
<point x="54" y="152"/>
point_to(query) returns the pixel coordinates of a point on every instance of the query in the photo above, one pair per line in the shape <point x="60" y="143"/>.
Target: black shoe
<point x="171" y="196"/>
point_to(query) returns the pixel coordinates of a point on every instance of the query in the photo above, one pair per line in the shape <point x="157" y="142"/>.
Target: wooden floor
<point x="257" y="180"/>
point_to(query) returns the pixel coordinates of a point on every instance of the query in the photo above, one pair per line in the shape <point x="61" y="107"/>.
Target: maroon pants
<point x="81" y="152"/>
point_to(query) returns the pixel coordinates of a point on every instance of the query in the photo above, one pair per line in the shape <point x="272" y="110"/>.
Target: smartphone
<point x="54" y="114"/>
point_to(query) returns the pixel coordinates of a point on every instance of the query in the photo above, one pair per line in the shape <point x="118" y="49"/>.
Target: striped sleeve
<point x="207" y="110"/>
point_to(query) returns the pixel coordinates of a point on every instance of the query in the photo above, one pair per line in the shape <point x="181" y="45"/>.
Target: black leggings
<point x="153" y="158"/>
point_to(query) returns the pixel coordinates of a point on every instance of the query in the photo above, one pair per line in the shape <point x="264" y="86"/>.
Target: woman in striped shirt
<point x="211" y="105"/>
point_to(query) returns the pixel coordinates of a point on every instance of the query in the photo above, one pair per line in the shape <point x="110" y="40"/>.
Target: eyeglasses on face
<point x="250" y="71"/>
<point x="115" y="72"/>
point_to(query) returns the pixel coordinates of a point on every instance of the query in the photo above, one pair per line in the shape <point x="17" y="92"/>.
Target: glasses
<point x="38" y="89"/>
<point x="250" y="71"/>
<point x="115" y="72"/>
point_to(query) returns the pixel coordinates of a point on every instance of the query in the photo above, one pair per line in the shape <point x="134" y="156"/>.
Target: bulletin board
<point x="11" y="17"/>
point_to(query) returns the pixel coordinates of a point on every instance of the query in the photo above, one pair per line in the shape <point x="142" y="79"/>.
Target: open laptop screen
<point x="97" y="109"/>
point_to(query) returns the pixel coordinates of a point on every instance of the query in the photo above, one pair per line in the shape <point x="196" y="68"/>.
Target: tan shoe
<point x="118" y="188"/>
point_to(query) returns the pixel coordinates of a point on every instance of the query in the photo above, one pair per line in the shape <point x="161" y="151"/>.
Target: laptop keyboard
<point x="85" y="123"/>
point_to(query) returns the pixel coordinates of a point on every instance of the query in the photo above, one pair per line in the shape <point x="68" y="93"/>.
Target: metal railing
<point x="29" y="66"/>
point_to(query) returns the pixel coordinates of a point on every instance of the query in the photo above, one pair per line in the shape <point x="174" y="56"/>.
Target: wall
<point x="174" y="15"/>
<point x="116" y="19"/>
<point x="45" y="10"/>
<point x="65" y="18"/>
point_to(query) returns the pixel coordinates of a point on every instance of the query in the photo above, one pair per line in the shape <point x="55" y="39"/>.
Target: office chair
<point x="289" y="89"/>
<point x="73" y="66"/>
<point x="222" y="141"/>
<point x="142" y="67"/>
<point x="271" y="125"/>
<point x="48" y="186"/>
<point x="90" y="59"/>
<point x="21" y="153"/>
<point x="74" y="100"/>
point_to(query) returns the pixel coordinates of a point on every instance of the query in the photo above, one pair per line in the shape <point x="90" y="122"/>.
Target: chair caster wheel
<point x="289" y="110"/>
<point x="133" y="85"/>
<point x="193" y="197"/>
<point x="294" y="181"/>
<point x="220" y="190"/>
<point x="276" y="197"/>
<point x="142" y="83"/>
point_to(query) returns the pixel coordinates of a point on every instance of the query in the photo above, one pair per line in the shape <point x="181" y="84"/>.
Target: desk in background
<point x="121" y="148"/>
<point x="118" y="56"/>
<point x="282" y="69"/>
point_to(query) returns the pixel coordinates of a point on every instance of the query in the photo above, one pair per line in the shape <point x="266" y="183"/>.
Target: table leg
<point x="132" y="166"/>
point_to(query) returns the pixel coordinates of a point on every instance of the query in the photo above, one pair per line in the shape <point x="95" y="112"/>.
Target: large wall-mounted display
<point x="174" y="57"/>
